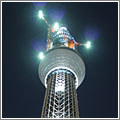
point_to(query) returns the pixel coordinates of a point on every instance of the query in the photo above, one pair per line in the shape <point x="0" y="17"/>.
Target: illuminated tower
<point x="61" y="71"/>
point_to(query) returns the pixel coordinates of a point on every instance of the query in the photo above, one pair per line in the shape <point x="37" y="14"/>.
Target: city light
<point x="88" y="44"/>
<point x="40" y="14"/>
<point x="56" y="26"/>
<point x="41" y="55"/>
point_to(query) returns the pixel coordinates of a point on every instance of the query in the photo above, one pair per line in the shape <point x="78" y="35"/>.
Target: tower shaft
<point x="60" y="98"/>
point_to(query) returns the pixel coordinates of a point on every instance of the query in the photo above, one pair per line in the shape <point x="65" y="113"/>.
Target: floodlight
<point x="40" y="14"/>
<point x="41" y="55"/>
<point x="56" y="26"/>
<point x="88" y="44"/>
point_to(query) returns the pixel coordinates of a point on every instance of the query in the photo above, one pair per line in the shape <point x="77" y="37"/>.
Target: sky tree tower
<point x="61" y="71"/>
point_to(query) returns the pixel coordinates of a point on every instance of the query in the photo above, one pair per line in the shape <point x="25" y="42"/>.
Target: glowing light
<point x="40" y="14"/>
<point x="56" y="26"/>
<point x="91" y="33"/>
<point x="56" y="12"/>
<point x="62" y="67"/>
<point x="88" y="44"/>
<point x="60" y="88"/>
<point x="41" y="55"/>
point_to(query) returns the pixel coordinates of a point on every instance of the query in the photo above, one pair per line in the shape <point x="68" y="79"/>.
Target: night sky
<point x="24" y="35"/>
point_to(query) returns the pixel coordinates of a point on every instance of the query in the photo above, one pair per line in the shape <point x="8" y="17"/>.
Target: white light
<point x="41" y="55"/>
<point x="40" y="14"/>
<point x="62" y="67"/>
<point x="88" y="44"/>
<point x="60" y="88"/>
<point x="56" y="26"/>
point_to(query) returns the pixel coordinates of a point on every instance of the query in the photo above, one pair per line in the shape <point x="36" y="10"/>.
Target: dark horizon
<point x="23" y="32"/>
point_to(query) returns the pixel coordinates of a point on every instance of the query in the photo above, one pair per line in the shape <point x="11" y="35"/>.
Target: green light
<point x="40" y="14"/>
<point x="56" y="26"/>
<point x="41" y="55"/>
<point x="88" y="44"/>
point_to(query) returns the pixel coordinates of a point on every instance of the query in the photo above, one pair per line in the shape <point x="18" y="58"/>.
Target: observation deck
<point x="61" y="56"/>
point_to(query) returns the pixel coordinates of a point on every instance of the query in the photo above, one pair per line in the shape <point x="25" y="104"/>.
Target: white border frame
<point x="118" y="60"/>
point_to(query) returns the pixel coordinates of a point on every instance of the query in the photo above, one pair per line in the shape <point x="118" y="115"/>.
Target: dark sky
<point x="22" y="91"/>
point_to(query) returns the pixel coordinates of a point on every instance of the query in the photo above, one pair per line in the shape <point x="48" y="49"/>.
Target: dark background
<point x="22" y="91"/>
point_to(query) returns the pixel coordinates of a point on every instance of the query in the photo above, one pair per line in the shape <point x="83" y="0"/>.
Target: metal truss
<point x="60" y="98"/>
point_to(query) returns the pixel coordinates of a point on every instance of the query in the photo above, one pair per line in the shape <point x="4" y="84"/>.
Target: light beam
<point x="88" y="44"/>
<point x="56" y="26"/>
<point x="40" y="14"/>
<point x="41" y="55"/>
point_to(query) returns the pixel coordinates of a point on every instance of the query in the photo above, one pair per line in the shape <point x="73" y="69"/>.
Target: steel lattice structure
<point x="62" y="71"/>
<point x="60" y="98"/>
